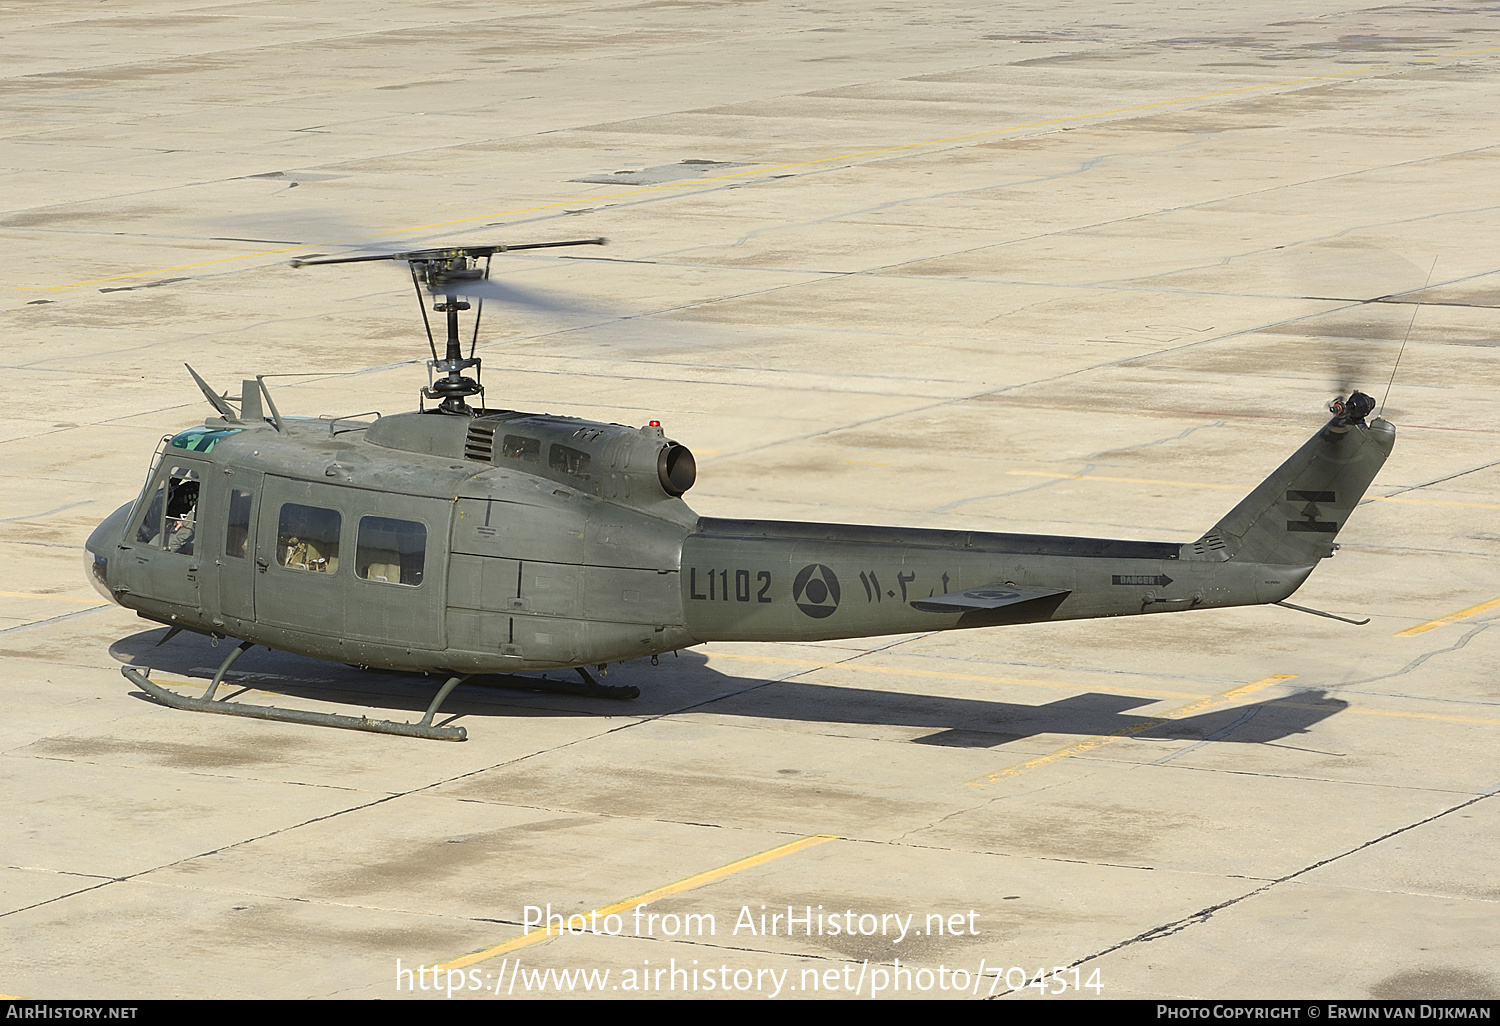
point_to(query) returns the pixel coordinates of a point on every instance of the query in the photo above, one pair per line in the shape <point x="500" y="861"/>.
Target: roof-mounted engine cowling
<point x="612" y="461"/>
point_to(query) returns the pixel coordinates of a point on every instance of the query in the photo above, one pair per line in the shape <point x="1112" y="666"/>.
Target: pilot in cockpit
<point x="182" y="516"/>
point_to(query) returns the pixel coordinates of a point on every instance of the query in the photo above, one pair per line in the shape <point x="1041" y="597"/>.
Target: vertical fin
<point x="1293" y="516"/>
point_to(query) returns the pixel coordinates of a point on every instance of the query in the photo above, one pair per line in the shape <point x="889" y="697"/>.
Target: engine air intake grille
<point x="480" y="443"/>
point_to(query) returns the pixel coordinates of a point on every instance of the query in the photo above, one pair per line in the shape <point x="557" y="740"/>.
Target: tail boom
<point x="782" y="581"/>
<point x="748" y="580"/>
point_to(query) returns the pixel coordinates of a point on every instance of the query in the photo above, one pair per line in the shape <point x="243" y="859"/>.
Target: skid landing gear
<point x="422" y="728"/>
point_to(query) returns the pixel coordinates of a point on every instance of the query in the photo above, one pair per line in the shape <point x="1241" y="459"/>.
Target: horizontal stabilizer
<point x="990" y="596"/>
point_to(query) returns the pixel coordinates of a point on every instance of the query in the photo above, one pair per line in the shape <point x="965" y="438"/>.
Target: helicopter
<point x="458" y="540"/>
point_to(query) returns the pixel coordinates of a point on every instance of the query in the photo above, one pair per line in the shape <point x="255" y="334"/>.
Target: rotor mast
<point x="448" y="275"/>
<point x="444" y="277"/>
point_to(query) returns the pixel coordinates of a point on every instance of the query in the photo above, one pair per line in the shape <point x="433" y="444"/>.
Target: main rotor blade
<point x="449" y="252"/>
<point x="1351" y="365"/>
<point x="491" y="289"/>
<point x="600" y="241"/>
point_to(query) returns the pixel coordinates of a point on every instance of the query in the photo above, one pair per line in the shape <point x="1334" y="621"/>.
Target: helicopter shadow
<point x="687" y="682"/>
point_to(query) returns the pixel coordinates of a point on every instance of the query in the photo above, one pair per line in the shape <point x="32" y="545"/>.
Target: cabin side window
<point x="171" y="518"/>
<point x="307" y="538"/>
<point x="519" y="447"/>
<point x="569" y="461"/>
<point x="237" y="531"/>
<point x="392" y="551"/>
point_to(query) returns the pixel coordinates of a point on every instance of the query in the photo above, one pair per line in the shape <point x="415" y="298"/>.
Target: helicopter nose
<point x="100" y="544"/>
<point x="97" y="568"/>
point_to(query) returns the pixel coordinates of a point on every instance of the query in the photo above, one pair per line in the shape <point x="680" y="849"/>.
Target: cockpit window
<point x="171" y="518"/>
<point x="307" y="538"/>
<point x="182" y="511"/>
<point x="569" y="461"/>
<point x="519" y="447"/>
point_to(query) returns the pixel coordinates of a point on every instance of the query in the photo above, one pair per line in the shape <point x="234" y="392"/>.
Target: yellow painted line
<point x="640" y="190"/>
<point x="1089" y="744"/>
<point x="1233" y="488"/>
<point x="1126" y="480"/>
<point x="1462" y="614"/>
<point x="49" y="598"/>
<point x="897" y="671"/>
<point x="1464" y="53"/>
<point x="1394" y="714"/>
<point x="1199" y="703"/>
<point x="1433" y="502"/>
<point x="646" y="898"/>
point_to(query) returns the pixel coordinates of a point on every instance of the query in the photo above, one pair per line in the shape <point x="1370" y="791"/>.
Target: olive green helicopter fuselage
<point x="503" y="542"/>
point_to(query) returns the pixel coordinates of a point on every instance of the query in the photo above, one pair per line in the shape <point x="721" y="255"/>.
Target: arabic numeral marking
<point x="764" y="577"/>
<point x="742" y="585"/>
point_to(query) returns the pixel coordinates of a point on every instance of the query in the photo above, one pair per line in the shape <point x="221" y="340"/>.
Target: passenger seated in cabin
<point x="305" y="555"/>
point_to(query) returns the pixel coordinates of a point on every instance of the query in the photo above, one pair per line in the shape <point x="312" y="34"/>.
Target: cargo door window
<point x="307" y="538"/>
<point x="393" y="551"/>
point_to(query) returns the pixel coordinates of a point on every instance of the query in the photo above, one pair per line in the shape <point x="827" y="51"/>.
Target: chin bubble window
<point x="391" y="551"/>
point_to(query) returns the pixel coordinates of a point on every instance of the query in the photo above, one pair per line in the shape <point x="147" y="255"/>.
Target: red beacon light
<point x="654" y="423"/>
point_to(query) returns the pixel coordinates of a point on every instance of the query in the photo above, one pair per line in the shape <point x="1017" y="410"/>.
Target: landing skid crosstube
<point x="587" y="688"/>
